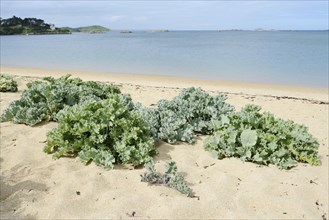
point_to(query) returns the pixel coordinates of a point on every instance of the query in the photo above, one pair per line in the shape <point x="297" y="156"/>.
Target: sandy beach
<point x="34" y="186"/>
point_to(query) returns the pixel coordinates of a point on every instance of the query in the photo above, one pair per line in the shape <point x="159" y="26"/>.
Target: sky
<point x="175" y="15"/>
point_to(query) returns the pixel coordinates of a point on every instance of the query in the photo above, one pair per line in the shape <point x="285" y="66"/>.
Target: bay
<point x="278" y="57"/>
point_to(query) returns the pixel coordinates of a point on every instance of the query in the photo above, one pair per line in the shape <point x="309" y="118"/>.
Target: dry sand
<point x="35" y="186"/>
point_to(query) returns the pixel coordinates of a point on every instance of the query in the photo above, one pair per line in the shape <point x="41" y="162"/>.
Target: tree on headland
<point x="17" y="25"/>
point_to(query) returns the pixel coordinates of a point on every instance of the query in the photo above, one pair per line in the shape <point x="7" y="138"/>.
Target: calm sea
<point x="283" y="57"/>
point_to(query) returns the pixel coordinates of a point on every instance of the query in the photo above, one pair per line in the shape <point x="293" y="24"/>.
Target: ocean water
<point x="282" y="57"/>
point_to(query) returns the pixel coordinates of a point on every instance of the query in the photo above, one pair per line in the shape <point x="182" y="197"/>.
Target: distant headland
<point x="94" y="29"/>
<point x="27" y="26"/>
<point x="35" y="26"/>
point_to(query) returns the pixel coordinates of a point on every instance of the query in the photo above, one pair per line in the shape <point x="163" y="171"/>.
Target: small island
<point x="125" y="32"/>
<point x="28" y="26"/>
<point x="159" y="31"/>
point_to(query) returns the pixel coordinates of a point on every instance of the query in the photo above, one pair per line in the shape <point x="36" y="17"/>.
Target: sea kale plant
<point x="98" y="123"/>
<point x="170" y="178"/>
<point x="190" y="112"/>
<point x="261" y="138"/>
<point x="105" y="132"/>
<point x="44" y="99"/>
<point x="7" y="83"/>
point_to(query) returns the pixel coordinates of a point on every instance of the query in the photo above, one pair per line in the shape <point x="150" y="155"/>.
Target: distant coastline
<point x="35" y="26"/>
<point x="94" y="29"/>
<point x="28" y="26"/>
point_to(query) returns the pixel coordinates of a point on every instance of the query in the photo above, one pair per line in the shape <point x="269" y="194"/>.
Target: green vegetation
<point x="105" y="132"/>
<point x="248" y="135"/>
<point x="7" y="83"/>
<point x="190" y="112"/>
<point x="261" y="138"/>
<point x="16" y="25"/>
<point x="98" y="123"/>
<point x="170" y="178"/>
<point x="89" y="29"/>
<point x="44" y="99"/>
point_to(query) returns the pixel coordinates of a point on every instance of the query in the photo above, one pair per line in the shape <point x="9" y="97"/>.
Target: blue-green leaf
<point x="248" y="138"/>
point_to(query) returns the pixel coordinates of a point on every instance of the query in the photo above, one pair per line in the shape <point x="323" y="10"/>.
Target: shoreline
<point x="285" y="91"/>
